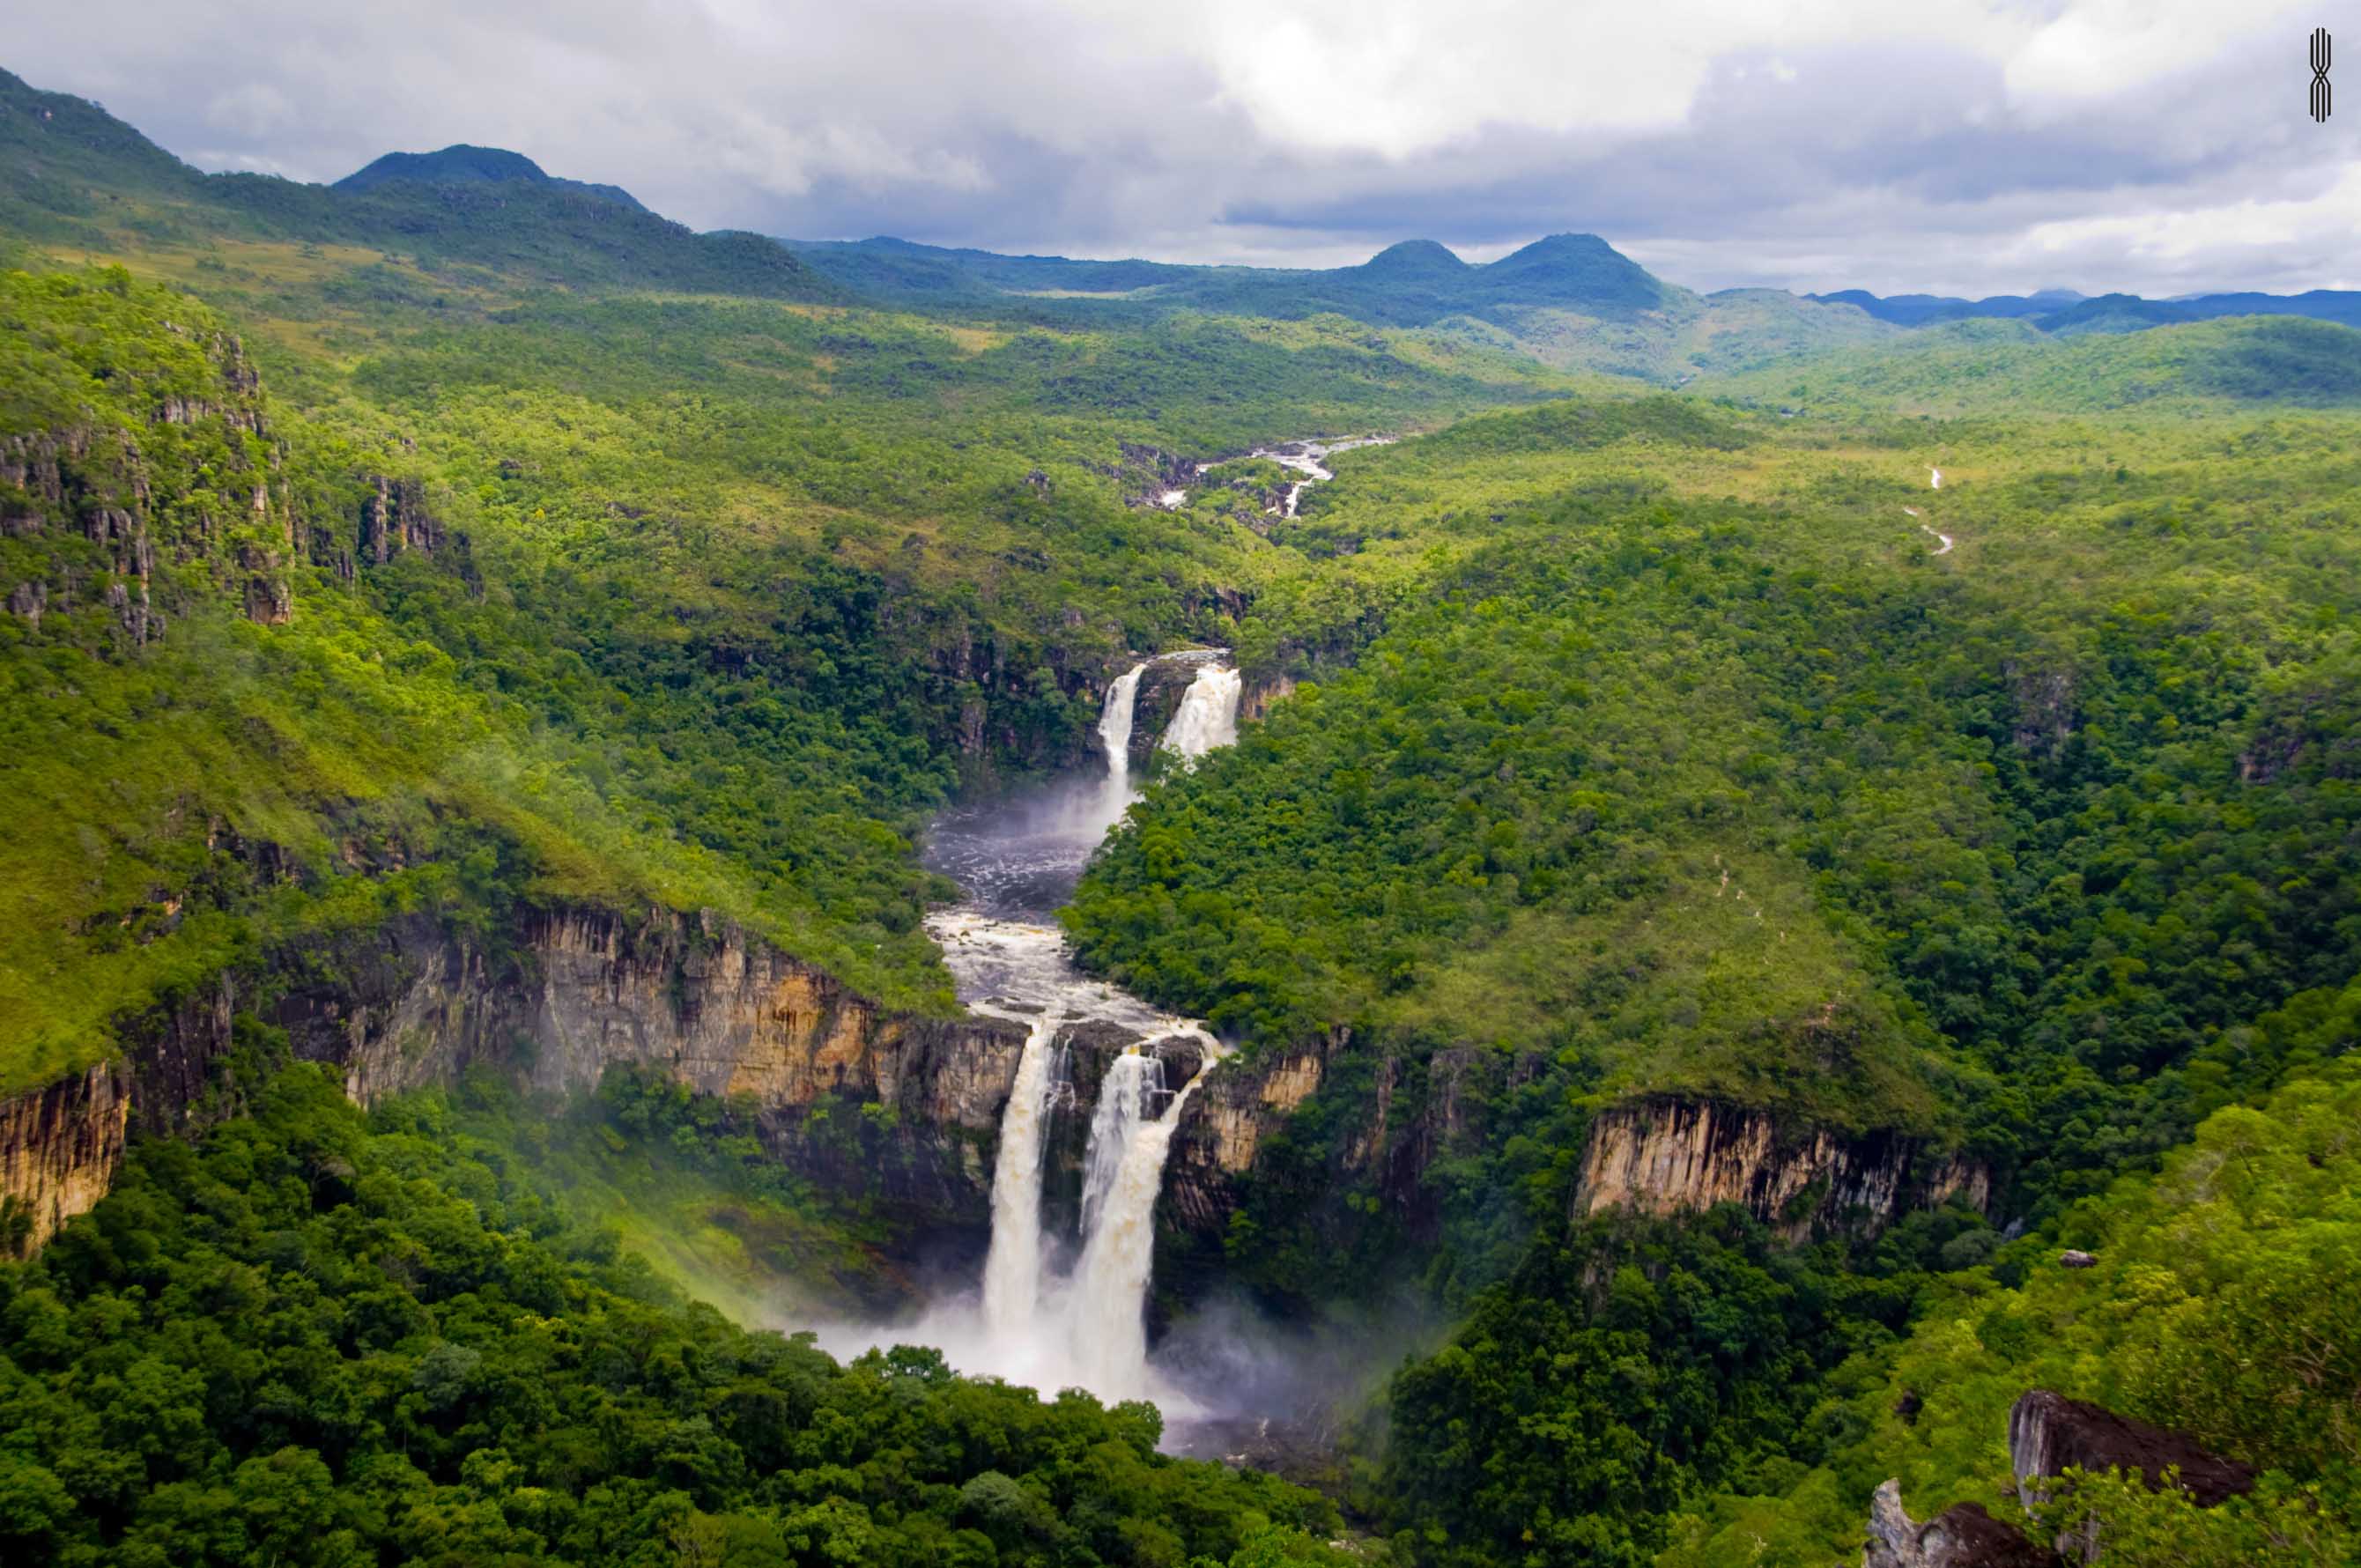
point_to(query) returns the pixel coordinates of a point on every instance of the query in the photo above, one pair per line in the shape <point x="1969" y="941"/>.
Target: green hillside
<point x="92" y="186"/>
<point x="464" y="165"/>
<point x="1989" y="367"/>
<point x="1638" y="739"/>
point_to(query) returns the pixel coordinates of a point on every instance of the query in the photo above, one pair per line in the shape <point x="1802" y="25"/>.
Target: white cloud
<point x="1820" y="143"/>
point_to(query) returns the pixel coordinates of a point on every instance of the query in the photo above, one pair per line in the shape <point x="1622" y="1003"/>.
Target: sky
<point x="1966" y="147"/>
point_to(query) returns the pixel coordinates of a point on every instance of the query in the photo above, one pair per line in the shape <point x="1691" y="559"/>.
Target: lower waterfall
<point x="1110" y="1323"/>
<point x="1129" y="1081"/>
<point x="1012" y="1269"/>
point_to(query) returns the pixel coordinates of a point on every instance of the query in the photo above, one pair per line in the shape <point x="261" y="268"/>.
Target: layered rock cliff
<point x="58" y="1150"/>
<point x="1664" y="1156"/>
<point x="901" y="1108"/>
<point x="702" y="1002"/>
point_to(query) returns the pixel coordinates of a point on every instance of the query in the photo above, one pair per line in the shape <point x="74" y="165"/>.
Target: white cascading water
<point x="1131" y="1077"/>
<point x="1118" y="1256"/>
<point x="1114" y="739"/>
<point x="1011" y="1268"/>
<point x="1032" y="1323"/>
<point x="1208" y="714"/>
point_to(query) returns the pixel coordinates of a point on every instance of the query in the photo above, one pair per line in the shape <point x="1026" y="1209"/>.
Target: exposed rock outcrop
<point x="395" y="519"/>
<point x="1261" y="691"/>
<point x="2050" y="1434"/>
<point x="59" y="1150"/>
<point x="1158" y="697"/>
<point x="1961" y="1536"/>
<point x="1226" y="1120"/>
<point x="1663" y="1157"/>
<point x="1147" y="473"/>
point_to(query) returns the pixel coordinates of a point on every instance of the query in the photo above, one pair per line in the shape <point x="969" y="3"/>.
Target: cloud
<point x="1966" y="146"/>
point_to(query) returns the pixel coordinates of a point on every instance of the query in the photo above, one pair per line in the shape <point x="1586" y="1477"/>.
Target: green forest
<point x="399" y="572"/>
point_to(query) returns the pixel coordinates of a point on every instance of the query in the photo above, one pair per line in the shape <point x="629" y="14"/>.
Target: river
<point x="1068" y="1309"/>
<point x="1062" y="1299"/>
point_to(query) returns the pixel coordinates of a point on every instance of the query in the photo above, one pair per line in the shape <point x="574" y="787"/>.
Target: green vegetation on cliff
<point x="453" y="551"/>
<point x="2219" y="1306"/>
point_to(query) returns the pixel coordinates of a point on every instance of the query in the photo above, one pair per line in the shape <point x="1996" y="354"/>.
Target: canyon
<point x="574" y="991"/>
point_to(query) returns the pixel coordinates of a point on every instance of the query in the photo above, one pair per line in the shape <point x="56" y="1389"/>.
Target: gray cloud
<point x="1952" y="144"/>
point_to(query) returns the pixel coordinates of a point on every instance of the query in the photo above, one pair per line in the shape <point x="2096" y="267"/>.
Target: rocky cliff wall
<point x="583" y="990"/>
<point x="702" y="1002"/>
<point x="58" y="1150"/>
<point x="1665" y="1156"/>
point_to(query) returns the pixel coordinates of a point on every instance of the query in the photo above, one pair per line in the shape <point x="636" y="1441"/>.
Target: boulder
<point x="1961" y="1536"/>
<point x="2050" y="1434"/>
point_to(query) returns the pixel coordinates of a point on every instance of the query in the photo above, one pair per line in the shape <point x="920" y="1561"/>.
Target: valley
<point x="679" y="898"/>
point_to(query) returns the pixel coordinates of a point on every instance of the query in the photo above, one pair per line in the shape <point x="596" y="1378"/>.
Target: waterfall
<point x="1118" y="1255"/>
<point x="1114" y="739"/>
<point x="1038" y="1322"/>
<point x="1130" y="1078"/>
<point x="1011" y="1268"/>
<point x="1208" y="716"/>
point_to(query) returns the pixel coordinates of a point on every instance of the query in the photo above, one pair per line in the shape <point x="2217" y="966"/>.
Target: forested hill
<point x="76" y="173"/>
<point x="1414" y="283"/>
<point x="1736" y="960"/>
<point x="1989" y="367"/>
<point x="2063" y="310"/>
<point x="462" y="165"/>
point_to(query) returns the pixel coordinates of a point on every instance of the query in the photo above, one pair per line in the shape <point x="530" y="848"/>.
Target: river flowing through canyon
<point x="1062" y="1301"/>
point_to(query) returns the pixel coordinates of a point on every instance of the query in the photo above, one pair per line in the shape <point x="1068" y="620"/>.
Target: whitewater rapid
<point x="1304" y="457"/>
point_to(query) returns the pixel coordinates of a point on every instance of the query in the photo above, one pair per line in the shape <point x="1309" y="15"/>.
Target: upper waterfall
<point x="1114" y="739"/>
<point x="1208" y="715"/>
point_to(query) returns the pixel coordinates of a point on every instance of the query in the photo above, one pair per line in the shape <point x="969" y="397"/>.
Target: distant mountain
<point x="79" y="179"/>
<point x="1571" y="300"/>
<point x="1414" y="283"/>
<point x="2064" y="311"/>
<point x="462" y="164"/>
<point x="1920" y="309"/>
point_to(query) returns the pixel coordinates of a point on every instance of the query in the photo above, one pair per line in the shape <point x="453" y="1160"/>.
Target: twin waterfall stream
<point x="1064" y="1306"/>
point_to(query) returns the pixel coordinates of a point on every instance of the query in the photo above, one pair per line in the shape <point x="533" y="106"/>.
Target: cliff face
<point x="703" y="1003"/>
<point x="902" y="1108"/>
<point x="58" y="1148"/>
<point x="1665" y="1156"/>
<point x="1238" y="1106"/>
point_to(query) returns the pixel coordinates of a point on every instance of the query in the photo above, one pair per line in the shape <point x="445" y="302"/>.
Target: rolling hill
<point x="462" y="165"/>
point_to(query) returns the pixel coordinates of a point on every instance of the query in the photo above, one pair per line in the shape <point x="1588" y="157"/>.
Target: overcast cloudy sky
<point x="1955" y="146"/>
